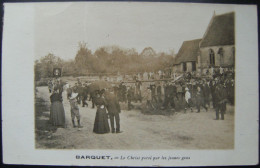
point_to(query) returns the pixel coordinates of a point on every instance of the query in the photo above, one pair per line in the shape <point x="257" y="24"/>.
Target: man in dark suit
<point x="85" y="91"/>
<point x="113" y="109"/>
<point x="206" y="93"/>
<point x="122" y="91"/>
<point x="221" y="99"/>
<point x="170" y="93"/>
<point x="159" y="93"/>
<point x="166" y="96"/>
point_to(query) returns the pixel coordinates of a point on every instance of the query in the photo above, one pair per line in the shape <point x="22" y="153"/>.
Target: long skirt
<point x="57" y="114"/>
<point x="101" y="122"/>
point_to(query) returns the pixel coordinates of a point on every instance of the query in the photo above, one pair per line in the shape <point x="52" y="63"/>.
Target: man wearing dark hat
<point x="85" y="91"/>
<point x="200" y="100"/>
<point x="130" y="97"/>
<point x="213" y="88"/>
<point x="138" y="85"/>
<point x="122" y="91"/>
<point x="169" y="96"/>
<point x="152" y="87"/>
<point x="113" y="109"/>
<point x="166" y="95"/>
<point x="206" y="93"/>
<point x="221" y="99"/>
<point x="159" y="93"/>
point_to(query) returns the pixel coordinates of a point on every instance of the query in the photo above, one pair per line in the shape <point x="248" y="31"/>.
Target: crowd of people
<point x="214" y="89"/>
<point x="166" y="74"/>
<point x="104" y="100"/>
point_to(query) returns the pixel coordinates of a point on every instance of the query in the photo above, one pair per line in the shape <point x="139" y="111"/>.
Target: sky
<point x="59" y="27"/>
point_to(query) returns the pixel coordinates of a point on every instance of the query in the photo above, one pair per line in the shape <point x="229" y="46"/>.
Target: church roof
<point x="220" y="31"/>
<point x="188" y="51"/>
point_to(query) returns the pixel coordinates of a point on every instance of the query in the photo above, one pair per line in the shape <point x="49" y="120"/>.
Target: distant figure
<point x="74" y="109"/>
<point x="145" y="76"/>
<point x="199" y="99"/>
<point x="57" y="113"/>
<point x="79" y="82"/>
<point x="154" y="96"/>
<point x="92" y="97"/>
<point x="130" y="97"/>
<point x="122" y="92"/>
<point x="50" y="86"/>
<point x="221" y="70"/>
<point x="149" y="76"/>
<point x="230" y="91"/>
<point x="188" y="103"/>
<point x="80" y="93"/>
<point x="212" y="71"/>
<point x="101" y="120"/>
<point x="206" y="93"/>
<point x="159" y="93"/>
<point x="138" y="76"/>
<point x="69" y="92"/>
<point x="179" y="92"/>
<point x="160" y="74"/>
<point x="84" y="95"/>
<point x="149" y="103"/>
<point x="138" y="94"/>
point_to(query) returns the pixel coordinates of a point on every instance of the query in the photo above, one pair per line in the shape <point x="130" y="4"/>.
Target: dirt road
<point x="140" y="131"/>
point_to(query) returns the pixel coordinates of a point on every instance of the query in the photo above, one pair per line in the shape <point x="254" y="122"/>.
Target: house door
<point x="193" y="66"/>
<point x="184" y="67"/>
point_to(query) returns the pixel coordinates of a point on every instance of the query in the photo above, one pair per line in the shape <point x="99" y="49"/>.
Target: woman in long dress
<point x="101" y="120"/>
<point x="57" y="113"/>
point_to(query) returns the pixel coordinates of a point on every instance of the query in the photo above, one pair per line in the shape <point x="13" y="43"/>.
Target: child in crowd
<point x="74" y="109"/>
<point x="188" y="103"/>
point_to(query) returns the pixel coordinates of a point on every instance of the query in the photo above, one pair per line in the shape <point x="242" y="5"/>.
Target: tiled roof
<point x="188" y="51"/>
<point x="220" y="31"/>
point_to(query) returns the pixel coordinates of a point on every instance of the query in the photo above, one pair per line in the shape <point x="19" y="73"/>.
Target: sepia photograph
<point x="134" y="80"/>
<point x="130" y="84"/>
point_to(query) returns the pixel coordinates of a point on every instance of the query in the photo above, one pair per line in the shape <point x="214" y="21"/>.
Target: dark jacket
<point x="206" y="91"/>
<point x="159" y="90"/>
<point x="221" y="94"/>
<point x="56" y="97"/>
<point x="112" y="104"/>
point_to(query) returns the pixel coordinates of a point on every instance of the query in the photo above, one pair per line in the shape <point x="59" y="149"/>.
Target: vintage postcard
<point x="130" y="84"/>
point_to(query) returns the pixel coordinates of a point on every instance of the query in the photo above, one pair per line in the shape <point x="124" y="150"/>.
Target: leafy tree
<point x="84" y="59"/>
<point x="45" y="66"/>
<point x="105" y="60"/>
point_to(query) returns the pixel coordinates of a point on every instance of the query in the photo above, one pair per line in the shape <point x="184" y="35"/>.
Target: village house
<point x="187" y="58"/>
<point x="217" y="47"/>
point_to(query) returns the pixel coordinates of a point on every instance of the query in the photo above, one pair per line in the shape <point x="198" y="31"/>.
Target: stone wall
<point x="228" y="56"/>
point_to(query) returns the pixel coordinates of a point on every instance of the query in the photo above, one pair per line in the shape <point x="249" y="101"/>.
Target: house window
<point x="193" y="66"/>
<point x="211" y="57"/>
<point x="221" y="56"/>
<point x="184" y="67"/>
